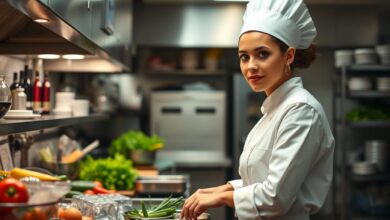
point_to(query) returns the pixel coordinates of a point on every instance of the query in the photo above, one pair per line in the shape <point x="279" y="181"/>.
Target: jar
<point x="5" y="97"/>
<point x="19" y="99"/>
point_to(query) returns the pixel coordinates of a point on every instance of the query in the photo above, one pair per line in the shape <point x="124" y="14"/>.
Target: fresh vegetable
<point x="71" y="193"/>
<point x="46" y="154"/>
<point x="115" y="173"/>
<point x="69" y="213"/>
<point x="18" y="173"/>
<point x="34" y="214"/>
<point x="89" y="192"/>
<point x="165" y="209"/>
<point x="364" y="113"/>
<point x="12" y="190"/>
<point x="4" y="174"/>
<point x="3" y="177"/>
<point x="82" y="185"/>
<point x="62" y="177"/>
<point x="101" y="190"/>
<point x="135" y="140"/>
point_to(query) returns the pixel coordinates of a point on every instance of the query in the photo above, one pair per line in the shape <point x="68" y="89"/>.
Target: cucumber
<point x="82" y="185"/>
<point x="70" y="194"/>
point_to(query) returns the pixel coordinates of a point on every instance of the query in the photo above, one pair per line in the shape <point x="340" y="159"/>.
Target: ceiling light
<point x="41" y="20"/>
<point x="73" y="56"/>
<point x="49" y="56"/>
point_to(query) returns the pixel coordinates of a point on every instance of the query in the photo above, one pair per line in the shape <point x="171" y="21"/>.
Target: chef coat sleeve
<point x="236" y="184"/>
<point x="296" y="149"/>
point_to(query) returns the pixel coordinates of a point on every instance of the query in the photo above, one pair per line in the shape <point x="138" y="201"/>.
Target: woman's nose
<point x="252" y="65"/>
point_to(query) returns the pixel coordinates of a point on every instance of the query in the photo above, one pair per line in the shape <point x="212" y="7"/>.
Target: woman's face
<point x="263" y="65"/>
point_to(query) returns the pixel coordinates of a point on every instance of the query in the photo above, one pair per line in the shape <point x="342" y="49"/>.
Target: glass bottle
<point x="37" y="94"/>
<point x="15" y="83"/>
<point x="5" y="97"/>
<point x="26" y="84"/>
<point x="46" y="94"/>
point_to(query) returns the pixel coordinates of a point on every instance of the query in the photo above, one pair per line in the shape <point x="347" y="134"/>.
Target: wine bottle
<point x="37" y="94"/>
<point x="27" y="87"/>
<point x="46" y="94"/>
<point x="15" y="83"/>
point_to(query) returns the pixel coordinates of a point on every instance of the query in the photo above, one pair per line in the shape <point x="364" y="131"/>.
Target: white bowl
<point x="80" y="107"/>
<point x="343" y="58"/>
<point x="383" y="83"/>
<point x="359" y="83"/>
<point x="364" y="168"/>
<point x="65" y="96"/>
<point x="365" y="56"/>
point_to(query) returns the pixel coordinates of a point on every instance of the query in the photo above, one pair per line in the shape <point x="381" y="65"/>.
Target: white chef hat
<point x="287" y="20"/>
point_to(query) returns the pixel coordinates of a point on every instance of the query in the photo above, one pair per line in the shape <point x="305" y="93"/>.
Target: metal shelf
<point x="17" y="126"/>
<point x="369" y="94"/>
<point x="368" y="67"/>
<point x="369" y="124"/>
<point x="381" y="177"/>
<point x="186" y="73"/>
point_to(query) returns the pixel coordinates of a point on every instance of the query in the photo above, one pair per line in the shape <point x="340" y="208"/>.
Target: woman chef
<point x="287" y="161"/>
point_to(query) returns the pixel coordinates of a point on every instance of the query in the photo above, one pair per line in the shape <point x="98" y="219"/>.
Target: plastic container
<point x="365" y="56"/>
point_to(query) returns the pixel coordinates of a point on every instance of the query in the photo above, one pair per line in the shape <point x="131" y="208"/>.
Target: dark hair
<point x="303" y="57"/>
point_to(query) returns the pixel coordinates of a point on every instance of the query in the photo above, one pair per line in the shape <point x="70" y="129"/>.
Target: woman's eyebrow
<point x="261" y="48"/>
<point x="256" y="49"/>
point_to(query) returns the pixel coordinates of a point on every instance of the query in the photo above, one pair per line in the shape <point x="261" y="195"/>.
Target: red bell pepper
<point x="12" y="191"/>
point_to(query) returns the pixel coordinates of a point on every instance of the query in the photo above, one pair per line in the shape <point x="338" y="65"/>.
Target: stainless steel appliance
<point x="162" y="185"/>
<point x="192" y="123"/>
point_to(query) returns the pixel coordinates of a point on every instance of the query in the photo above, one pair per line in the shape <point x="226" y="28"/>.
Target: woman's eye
<point x="264" y="54"/>
<point x="244" y="57"/>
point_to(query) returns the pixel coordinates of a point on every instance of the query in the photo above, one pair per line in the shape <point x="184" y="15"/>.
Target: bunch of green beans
<point x="165" y="209"/>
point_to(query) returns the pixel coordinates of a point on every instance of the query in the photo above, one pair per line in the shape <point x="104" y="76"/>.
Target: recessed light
<point x="73" y="56"/>
<point x="49" y="56"/>
<point x="41" y="20"/>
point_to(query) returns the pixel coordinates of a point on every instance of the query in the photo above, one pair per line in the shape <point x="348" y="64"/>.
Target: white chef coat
<point x="287" y="162"/>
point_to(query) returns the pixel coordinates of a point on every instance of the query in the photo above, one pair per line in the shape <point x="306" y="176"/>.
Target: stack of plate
<point x="21" y="114"/>
<point x="375" y="152"/>
<point x="364" y="168"/>
<point x="63" y="103"/>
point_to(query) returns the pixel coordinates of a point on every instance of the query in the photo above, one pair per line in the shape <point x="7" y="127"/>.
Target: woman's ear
<point x="290" y="55"/>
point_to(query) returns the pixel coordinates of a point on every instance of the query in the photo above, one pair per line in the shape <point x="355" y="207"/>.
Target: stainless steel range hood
<point x="20" y="34"/>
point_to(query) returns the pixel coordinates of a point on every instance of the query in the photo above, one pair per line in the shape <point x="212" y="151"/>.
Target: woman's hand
<point x="199" y="202"/>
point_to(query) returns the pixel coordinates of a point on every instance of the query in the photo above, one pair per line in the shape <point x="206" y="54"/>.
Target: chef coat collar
<point x="278" y="94"/>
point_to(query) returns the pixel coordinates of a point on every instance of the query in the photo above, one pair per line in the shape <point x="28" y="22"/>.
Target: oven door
<point x="192" y="123"/>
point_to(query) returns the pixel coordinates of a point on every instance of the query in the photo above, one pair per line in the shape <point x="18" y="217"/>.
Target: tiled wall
<point x="12" y="65"/>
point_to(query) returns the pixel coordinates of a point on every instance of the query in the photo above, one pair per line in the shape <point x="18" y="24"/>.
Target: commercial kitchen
<point x="111" y="107"/>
